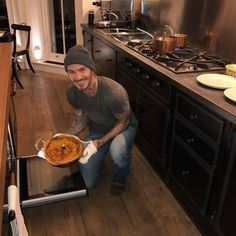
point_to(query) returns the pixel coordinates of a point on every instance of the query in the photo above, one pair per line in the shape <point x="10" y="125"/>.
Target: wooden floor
<point x="146" y="208"/>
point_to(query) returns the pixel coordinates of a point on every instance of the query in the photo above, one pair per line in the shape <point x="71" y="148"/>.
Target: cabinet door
<point x="226" y="217"/>
<point x="104" y="59"/>
<point x="131" y="88"/>
<point x="153" y="118"/>
<point x="190" y="176"/>
<point x="88" y="41"/>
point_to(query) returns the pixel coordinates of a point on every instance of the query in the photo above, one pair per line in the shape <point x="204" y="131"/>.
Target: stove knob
<point x="156" y="84"/>
<point x="145" y="76"/>
<point x="137" y="70"/>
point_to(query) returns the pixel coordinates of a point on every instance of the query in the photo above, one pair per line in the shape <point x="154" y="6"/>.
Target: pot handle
<point x="38" y="142"/>
<point x="170" y="29"/>
<point x="41" y="154"/>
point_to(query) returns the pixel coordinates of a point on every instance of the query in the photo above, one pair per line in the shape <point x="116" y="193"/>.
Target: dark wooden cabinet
<point x="131" y="87"/>
<point x="149" y="101"/>
<point x="192" y="178"/>
<point x="104" y="59"/>
<point x="88" y="41"/>
<point x="195" y="151"/>
<point x="153" y="117"/>
<point x="225" y="220"/>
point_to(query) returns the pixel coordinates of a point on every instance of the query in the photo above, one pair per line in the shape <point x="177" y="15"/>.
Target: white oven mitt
<point x="89" y="150"/>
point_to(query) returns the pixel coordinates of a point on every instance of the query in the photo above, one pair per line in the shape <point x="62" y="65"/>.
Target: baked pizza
<point x="63" y="149"/>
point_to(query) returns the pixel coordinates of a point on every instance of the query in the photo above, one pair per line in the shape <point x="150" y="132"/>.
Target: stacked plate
<point x="230" y="93"/>
<point x="220" y="81"/>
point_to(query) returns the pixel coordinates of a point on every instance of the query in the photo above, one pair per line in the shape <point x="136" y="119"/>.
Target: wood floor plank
<point x="117" y="219"/>
<point x="146" y="208"/>
<point x="161" y="199"/>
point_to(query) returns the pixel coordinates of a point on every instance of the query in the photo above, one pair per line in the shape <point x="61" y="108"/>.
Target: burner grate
<point x="183" y="60"/>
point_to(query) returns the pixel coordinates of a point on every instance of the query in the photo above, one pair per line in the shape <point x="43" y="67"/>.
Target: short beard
<point x="92" y="87"/>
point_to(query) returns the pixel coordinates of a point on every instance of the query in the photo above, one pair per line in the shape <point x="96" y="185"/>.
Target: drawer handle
<point x="137" y="70"/>
<point x="193" y="117"/>
<point x="97" y="50"/>
<point x="109" y="60"/>
<point x="190" y="140"/>
<point x="156" y="84"/>
<point x="185" y="172"/>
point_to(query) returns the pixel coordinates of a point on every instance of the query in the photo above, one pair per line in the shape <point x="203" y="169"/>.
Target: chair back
<point x="22" y="34"/>
<point x="14" y="45"/>
<point x="21" y="46"/>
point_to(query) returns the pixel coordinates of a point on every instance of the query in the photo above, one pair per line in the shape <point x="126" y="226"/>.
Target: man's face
<point x="80" y="75"/>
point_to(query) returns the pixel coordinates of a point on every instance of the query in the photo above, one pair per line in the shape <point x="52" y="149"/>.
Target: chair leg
<point x="29" y="62"/>
<point x="14" y="74"/>
<point x="18" y="65"/>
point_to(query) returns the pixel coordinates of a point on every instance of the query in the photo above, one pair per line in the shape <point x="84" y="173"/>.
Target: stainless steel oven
<point x="40" y="183"/>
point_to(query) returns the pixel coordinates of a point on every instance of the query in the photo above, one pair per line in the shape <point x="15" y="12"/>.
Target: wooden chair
<point x="20" y="30"/>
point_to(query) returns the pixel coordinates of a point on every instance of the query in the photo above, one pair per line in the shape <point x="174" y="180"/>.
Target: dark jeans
<point x="120" y="149"/>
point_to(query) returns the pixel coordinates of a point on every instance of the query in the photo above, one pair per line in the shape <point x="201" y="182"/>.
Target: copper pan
<point x="180" y="39"/>
<point x="61" y="150"/>
<point x="164" y="45"/>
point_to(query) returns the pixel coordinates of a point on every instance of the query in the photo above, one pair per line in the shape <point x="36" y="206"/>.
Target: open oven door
<point x="40" y="183"/>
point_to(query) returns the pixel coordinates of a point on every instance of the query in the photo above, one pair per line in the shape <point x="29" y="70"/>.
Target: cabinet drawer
<point x="203" y="149"/>
<point x="200" y="117"/>
<point x="191" y="177"/>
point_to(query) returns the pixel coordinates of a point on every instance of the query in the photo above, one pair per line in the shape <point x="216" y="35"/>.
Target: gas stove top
<point x="182" y="60"/>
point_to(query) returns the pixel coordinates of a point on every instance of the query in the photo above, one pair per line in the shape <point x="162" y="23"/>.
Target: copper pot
<point x="180" y="39"/>
<point x="164" y="45"/>
<point x="61" y="150"/>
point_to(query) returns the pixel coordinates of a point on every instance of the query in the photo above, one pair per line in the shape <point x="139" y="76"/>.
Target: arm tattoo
<point x="79" y="123"/>
<point x="121" y="124"/>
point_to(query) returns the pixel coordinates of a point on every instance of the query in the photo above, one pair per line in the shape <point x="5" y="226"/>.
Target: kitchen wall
<point x="218" y="32"/>
<point x="208" y="23"/>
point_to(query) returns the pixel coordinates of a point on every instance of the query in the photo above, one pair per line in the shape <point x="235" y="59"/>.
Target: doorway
<point x="62" y="25"/>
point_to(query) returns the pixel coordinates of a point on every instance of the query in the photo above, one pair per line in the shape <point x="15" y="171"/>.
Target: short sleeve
<point x="72" y="97"/>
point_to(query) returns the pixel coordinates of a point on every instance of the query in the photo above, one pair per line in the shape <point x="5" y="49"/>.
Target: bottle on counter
<point x="91" y="17"/>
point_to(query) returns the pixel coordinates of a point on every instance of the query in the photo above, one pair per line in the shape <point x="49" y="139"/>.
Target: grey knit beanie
<point x="79" y="55"/>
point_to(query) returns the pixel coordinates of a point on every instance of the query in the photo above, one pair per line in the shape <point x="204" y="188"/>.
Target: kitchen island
<point x="5" y="65"/>
<point x="186" y="131"/>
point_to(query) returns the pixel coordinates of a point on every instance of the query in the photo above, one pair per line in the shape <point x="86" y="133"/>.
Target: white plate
<point x="217" y="81"/>
<point x="230" y="93"/>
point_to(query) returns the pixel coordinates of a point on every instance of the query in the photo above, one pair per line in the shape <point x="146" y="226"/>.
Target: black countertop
<point x="214" y="99"/>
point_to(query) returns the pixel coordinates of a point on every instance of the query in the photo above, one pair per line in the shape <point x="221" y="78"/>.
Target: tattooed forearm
<point x="122" y="123"/>
<point x="79" y="123"/>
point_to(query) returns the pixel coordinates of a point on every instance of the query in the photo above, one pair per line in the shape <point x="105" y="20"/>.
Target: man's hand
<point x="89" y="150"/>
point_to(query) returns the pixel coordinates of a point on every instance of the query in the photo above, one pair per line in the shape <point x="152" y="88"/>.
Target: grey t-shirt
<point x="111" y="98"/>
